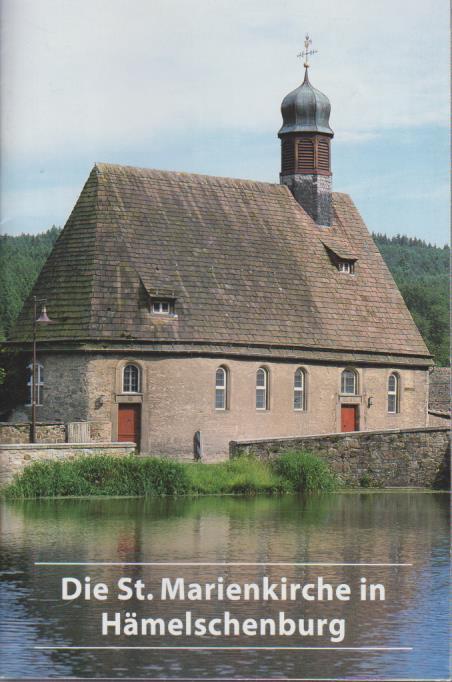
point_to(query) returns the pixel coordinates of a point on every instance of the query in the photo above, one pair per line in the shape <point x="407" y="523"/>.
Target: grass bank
<point x="143" y="476"/>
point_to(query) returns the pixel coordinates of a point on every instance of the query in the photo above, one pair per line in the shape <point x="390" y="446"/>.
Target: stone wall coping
<point x="340" y="434"/>
<point x="94" y="445"/>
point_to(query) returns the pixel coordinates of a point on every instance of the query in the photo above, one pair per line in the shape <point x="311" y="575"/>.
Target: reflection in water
<point x="371" y="527"/>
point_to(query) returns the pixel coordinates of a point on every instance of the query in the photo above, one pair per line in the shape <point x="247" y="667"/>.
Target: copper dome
<point x="306" y="110"/>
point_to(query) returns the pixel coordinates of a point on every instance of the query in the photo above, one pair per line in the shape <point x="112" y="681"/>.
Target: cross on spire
<point x="306" y="53"/>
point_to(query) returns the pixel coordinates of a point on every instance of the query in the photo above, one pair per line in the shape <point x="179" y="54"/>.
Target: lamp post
<point x="42" y="319"/>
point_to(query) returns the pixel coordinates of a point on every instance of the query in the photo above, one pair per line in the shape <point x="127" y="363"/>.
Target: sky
<point x="196" y="85"/>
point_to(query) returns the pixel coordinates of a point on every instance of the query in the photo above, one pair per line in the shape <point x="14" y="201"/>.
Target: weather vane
<point x="306" y="52"/>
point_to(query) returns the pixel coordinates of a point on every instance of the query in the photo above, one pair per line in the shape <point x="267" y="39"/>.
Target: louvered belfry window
<point x="323" y="155"/>
<point x="305" y="155"/>
<point x="288" y="156"/>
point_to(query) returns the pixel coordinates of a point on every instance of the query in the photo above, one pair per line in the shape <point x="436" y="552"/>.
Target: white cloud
<point x="94" y="73"/>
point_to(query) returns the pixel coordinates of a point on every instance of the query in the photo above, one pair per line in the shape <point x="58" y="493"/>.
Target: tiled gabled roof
<point x="246" y="264"/>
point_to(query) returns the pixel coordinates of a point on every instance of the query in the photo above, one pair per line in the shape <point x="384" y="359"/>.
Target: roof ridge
<point x="100" y="166"/>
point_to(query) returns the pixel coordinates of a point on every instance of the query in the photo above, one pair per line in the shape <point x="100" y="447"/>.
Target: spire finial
<point x="306" y="53"/>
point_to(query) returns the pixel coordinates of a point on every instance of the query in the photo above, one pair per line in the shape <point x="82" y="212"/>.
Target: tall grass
<point x="152" y="476"/>
<point x="242" y="475"/>
<point x="306" y="472"/>
<point x="101" y="475"/>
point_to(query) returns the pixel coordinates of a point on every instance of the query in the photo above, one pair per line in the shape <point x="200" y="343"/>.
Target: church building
<point x="188" y="308"/>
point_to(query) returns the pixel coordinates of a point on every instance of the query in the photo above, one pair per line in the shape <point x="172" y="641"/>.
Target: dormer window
<point x="340" y="254"/>
<point x="162" y="307"/>
<point x="346" y="266"/>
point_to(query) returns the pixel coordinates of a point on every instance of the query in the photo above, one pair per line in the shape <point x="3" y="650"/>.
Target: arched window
<point x="299" y="389"/>
<point x="349" y="382"/>
<point x="39" y="384"/>
<point x="131" y="379"/>
<point x="221" y="388"/>
<point x="262" y="389"/>
<point x="393" y="393"/>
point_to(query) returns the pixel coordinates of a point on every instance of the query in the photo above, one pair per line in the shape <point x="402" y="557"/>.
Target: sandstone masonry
<point x="14" y="458"/>
<point x="177" y="398"/>
<point x="48" y="432"/>
<point x="20" y="433"/>
<point x="412" y="457"/>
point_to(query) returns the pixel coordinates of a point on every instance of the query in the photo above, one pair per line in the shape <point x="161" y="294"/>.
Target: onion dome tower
<point x="305" y="146"/>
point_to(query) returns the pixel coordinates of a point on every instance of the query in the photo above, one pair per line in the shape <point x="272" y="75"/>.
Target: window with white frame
<point x="39" y="384"/>
<point x="349" y="382"/>
<point x="131" y="379"/>
<point x="221" y="388"/>
<point x="160" y="307"/>
<point x="346" y="266"/>
<point x="299" y="390"/>
<point x="262" y="389"/>
<point x="393" y="394"/>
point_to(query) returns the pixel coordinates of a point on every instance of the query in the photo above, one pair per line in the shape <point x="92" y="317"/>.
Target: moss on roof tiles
<point x="245" y="262"/>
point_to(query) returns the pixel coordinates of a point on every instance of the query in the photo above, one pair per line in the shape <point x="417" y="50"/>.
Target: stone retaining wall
<point x="15" y="457"/>
<point x="412" y="457"/>
<point x="48" y="432"/>
<point x="20" y="433"/>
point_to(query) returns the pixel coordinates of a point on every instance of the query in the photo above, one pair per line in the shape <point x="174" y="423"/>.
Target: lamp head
<point x="44" y="318"/>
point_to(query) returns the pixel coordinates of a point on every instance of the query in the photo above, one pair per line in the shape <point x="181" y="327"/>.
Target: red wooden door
<point x="349" y="418"/>
<point x="129" y="423"/>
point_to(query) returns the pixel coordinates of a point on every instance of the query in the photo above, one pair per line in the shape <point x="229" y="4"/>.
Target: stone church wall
<point x="177" y="399"/>
<point x="65" y="396"/>
<point x="439" y="418"/>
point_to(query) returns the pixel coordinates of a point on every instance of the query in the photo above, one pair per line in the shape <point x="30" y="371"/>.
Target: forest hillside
<point x="421" y="271"/>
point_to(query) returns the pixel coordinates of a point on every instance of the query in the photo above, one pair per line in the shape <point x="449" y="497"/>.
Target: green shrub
<point x="306" y="472"/>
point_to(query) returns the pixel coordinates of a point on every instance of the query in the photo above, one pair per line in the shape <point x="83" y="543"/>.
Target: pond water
<point x="343" y="528"/>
